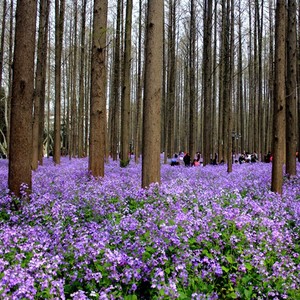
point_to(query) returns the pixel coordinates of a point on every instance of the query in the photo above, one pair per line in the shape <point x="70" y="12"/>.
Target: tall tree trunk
<point x="19" y="170"/>
<point x="221" y="146"/>
<point x="241" y="126"/>
<point x="74" y="119"/>
<point x="152" y="93"/>
<point x="98" y="90"/>
<point x="81" y="152"/>
<point x="291" y="90"/>
<point x="230" y="135"/>
<point x="170" y="111"/>
<point x="126" y="89"/>
<point x="10" y="73"/>
<point x="192" y="81"/>
<point x="59" y="29"/>
<point x="114" y="109"/>
<point x="137" y="138"/>
<point x="207" y="81"/>
<point x="279" y="99"/>
<point x="40" y="85"/>
<point x="4" y="12"/>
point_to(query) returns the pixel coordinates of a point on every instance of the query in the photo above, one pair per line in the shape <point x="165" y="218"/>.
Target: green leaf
<point x="230" y="259"/>
<point x="225" y="269"/>
<point x="248" y="266"/>
<point x="232" y="295"/>
<point x="248" y="293"/>
<point x="130" y="297"/>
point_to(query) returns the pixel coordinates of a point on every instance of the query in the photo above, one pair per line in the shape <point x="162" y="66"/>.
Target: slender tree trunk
<point x="279" y="99"/>
<point x="114" y="110"/>
<point x="40" y="82"/>
<point x="10" y="84"/>
<point x="59" y="29"/>
<point x="207" y="81"/>
<point x="19" y="170"/>
<point x="74" y="119"/>
<point x="4" y="12"/>
<point x="152" y="93"/>
<point x="137" y="138"/>
<point x="98" y="90"/>
<point x="81" y="152"/>
<point x="221" y="146"/>
<point x="192" y="82"/>
<point x="126" y="89"/>
<point x="230" y="135"/>
<point x="171" y="79"/>
<point x="291" y="90"/>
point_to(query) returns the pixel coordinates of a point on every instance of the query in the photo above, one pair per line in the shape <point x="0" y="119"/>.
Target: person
<point x="187" y="160"/>
<point x="215" y="159"/>
<point x="196" y="163"/>
<point x="174" y="160"/>
<point x="241" y="159"/>
<point x="268" y="157"/>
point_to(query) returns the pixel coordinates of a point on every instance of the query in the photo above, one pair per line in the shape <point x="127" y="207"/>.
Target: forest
<point x="100" y="102"/>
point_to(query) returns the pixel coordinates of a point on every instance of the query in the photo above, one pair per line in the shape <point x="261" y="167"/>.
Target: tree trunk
<point x="98" y="90"/>
<point x="170" y="111"/>
<point x="4" y="12"/>
<point x="114" y="109"/>
<point x="192" y="81"/>
<point x="40" y="84"/>
<point x="19" y="172"/>
<point x="59" y="29"/>
<point x="137" y="138"/>
<point x="207" y="82"/>
<point x="279" y="99"/>
<point x="291" y="90"/>
<point x="126" y="89"/>
<point x="152" y="93"/>
<point x="81" y="151"/>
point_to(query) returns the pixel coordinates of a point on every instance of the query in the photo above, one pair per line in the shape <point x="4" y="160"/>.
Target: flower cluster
<point x="201" y="234"/>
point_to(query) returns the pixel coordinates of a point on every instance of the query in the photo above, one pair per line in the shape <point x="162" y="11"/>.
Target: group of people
<point x="186" y="159"/>
<point x="248" y="158"/>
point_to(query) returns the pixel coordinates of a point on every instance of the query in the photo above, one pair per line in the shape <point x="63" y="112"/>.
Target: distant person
<point x="268" y="157"/>
<point x="241" y="159"/>
<point x="187" y="160"/>
<point x="196" y="163"/>
<point x="174" y="160"/>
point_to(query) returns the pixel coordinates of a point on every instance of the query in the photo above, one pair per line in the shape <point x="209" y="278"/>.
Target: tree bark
<point x="59" y="29"/>
<point x="279" y="99"/>
<point x="22" y="92"/>
<point x="98" y="90"/>
<point x="152" y="93"/>
<point x="126" y="89"/>
<point x="291" y="90"/>
<point x="40" y="85"/>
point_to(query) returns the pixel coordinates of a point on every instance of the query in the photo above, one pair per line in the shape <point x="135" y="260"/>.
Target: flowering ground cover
<point x="202" y="234"/>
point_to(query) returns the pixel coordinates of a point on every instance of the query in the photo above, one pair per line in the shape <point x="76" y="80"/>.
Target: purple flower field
<point x="202" y="234"/>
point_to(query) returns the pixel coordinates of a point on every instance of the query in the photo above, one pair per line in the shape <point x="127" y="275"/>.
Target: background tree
<point x="291" y="90"/>
<point x="19" y="170"/>
<point x="40" y="85"/>
<point x="82" y="93"/>
<point x="152" y="93"/>
<point x="279" y="98"/>
<point x="192" y="80"/>
<point x="207" y="81"/>
<point x="126" y="89"/>
<point x="59" y="29"/>
<point x="98" y="90"/>
<point x="3" y="25"/>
